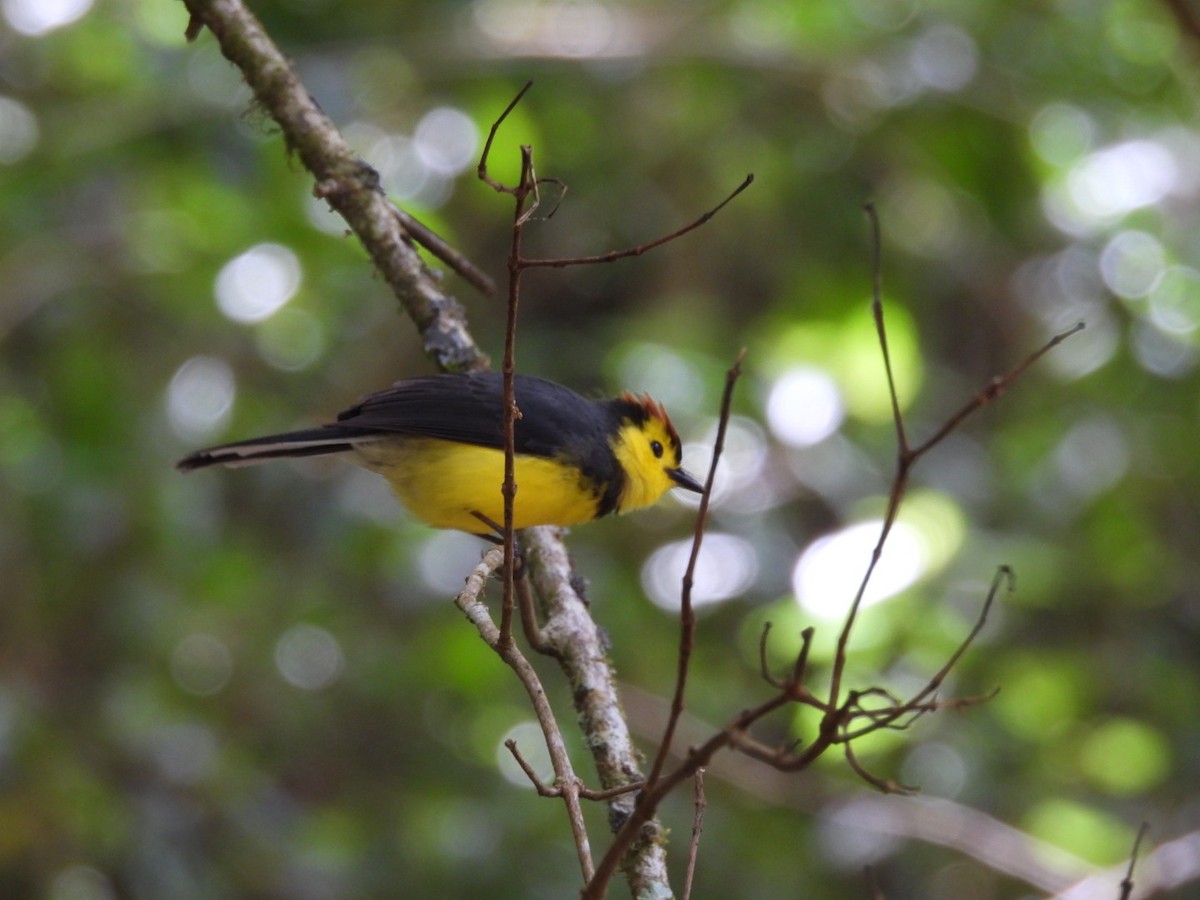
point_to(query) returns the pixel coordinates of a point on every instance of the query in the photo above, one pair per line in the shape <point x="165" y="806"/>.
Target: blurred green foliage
<point x="254" y="684"/>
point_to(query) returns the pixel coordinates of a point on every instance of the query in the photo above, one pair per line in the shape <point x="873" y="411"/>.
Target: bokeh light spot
<point x="937" y="769"/>
<point x="725" y="569"/>
<point x="1088" y="350"/>
<point x="848" y="350"/>
<point x="1092" y="457"/>
<point x="945" y="58"/>
<point x="444" y="559"/>
<point x="830" y="569"/>
<point x="532" y="745"/>
<point x="256" y="284"/>
<point x="38" y="17"/>
<point x="738" y="483"/>
<point x="1109" y="183"/>
<point x="308" y="657"/>
<point x="577" y="30"/>
<point x="662" y="373"/>
<point x="446" y="140"/>
<point x="200" y="397"/>
<point x="849" y="835"/>
<point x="1162" y="353"/>
<point x="928" y="534"/>
<point x="292" y="339"/>
<point x="1125" y="757"/>
<point x="1175" y="300"/>
<point x="201" y="664"/>
<point x="81" y="882"/>
<point x="1096" y="836"/>
<point x="18" y="131"/>
<point x="1133" y="264"/>
<point x="1061" y="133"/>
<point x="804" y="407"/>
<point x="185" y="753"/>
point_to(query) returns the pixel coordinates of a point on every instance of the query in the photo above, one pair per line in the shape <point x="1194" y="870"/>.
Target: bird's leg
<point x="496" y="535"/>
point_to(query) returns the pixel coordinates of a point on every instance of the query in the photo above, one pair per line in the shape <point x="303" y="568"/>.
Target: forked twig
<point x="908" y="456"/>
<point x="526" y="200"/>
<point x="481" y="169"/>
<point x="993" y="390"/>
<point x="838" y="717"/>
<point x="540" y="786"/>
<point x="1004" y="577"/>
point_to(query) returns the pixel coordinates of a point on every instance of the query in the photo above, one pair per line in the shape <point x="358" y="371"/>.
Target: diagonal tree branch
<point x="573" y="638"/>
<point x="349" y="185"/>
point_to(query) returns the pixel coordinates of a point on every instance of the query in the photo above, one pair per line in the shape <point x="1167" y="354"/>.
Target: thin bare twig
<point x="796" y="685"/>
<point x="1169" y="866"/>
<point x="614" y="255"/>
<point x="699" y="803"/>
<point x="441" y="249"/>
<point x="938" y="822"/>
<point x="1004" y="577"/>
<point x="527" y="199"/>
<point x="544" y="790"/>
<point x="526" y="187"/>
<point x="908" y="456"/>
<point x="764" y="667"/>
<point x="652" y="796"/>
<point x="481" y="169"/>
<point x="886" y="785"/>
<point x="687" y="615"/>
<point x="842" y="721"/>
<point x="993" y="390"/>
<point x="610" y="793"/>
<point x="877" y="312"/>
<point x="896" y="709"/>
<point x="1127" y="882"/>
<point x="540" y="786"/>
<point x="529" y="622"/>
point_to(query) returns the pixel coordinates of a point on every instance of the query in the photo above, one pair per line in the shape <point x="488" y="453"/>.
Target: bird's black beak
<point x="684" y="480"/>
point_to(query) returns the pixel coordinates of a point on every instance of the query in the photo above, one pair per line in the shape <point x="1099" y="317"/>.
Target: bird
<point x="439" y="442"/>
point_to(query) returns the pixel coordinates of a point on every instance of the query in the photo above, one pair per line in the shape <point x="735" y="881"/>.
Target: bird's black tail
<point x="311" y="442"/>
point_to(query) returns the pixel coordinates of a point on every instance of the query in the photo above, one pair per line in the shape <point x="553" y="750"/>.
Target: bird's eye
<point x="656" y="449"/>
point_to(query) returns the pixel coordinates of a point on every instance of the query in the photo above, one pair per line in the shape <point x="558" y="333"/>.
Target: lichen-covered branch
<point x="571" y="636"/>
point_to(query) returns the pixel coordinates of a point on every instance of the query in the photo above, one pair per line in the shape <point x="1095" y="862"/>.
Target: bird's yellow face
<point x="650" y="454"/>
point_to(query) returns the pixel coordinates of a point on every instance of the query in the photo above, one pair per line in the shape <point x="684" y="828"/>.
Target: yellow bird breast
<point x="443" y="483"/>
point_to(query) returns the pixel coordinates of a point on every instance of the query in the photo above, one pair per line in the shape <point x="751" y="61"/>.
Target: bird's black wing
<point x="469" y="408"/>
<point x="555" y="422"/>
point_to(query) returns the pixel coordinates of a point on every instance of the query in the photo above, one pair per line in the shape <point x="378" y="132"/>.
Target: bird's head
<point x="647" y="447"/>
